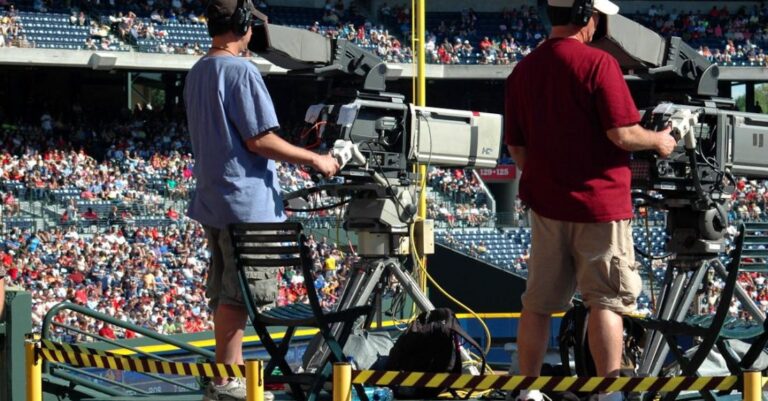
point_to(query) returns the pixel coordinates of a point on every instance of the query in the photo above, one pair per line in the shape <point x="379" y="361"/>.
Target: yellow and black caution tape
<point x="575" y="384"/>
<point x="90" y="358"/>
<point x="87" y="357"/>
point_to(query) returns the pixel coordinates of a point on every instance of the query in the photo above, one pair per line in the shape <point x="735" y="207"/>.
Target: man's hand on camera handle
<point x="270" y="145"/>
<point x="666" y="142"/>
<point x="326" y="164"/>
<point x="635" y="138"/>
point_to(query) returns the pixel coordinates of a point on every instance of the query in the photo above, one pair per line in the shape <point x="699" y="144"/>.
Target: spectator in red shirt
<point x="570" y="125"/>
<point x="64" y="219"/>
<point x="80" y="296"/>
<point x="107" y="332"/>
<point x="485" y="43"/>
<point x="6" y="259"/>
<point x="11" y="204"/>
<point x="90" y="214"/>
<point x="172" y="214"/>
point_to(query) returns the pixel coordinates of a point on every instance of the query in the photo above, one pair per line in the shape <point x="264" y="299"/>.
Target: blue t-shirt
<point x="227" y="104"/>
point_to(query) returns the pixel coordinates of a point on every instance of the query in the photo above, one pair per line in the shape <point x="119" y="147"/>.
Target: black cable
<point x="381" y="171"/>
<point x="652" y="257"/>
<point x="714" y="165"/>
<point x="319" y="209"/>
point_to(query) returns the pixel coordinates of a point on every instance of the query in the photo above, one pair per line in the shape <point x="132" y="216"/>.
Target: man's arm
<point x="518" y="154"/>
<point x="635" y="138"/>
<point x="272" y="146"/>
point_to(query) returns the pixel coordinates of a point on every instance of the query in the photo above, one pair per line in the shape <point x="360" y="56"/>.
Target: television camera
<point x="378" y="139"/>
<point x="375" y="135"/>
<point x="715" y="142"/>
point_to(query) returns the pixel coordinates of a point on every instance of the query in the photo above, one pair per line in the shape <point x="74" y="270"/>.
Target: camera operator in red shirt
<point x="571" y="124"/>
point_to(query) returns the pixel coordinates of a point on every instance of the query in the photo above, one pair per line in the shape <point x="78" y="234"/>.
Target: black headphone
<point x="582" y="11"/>
<point x="241" y="19"/>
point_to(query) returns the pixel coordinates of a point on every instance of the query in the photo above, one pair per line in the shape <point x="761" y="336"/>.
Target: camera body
<point x="719" y="141"/>
<point x="393" y="135"/>
<point x="715" y="142"/>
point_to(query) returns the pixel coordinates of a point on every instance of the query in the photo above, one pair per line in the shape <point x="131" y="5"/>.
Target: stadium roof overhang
<point x="134" y="61"/>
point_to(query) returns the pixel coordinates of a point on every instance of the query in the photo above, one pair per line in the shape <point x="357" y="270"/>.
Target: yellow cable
<point x="414" y="251"/>
<point x="464" y="394"/>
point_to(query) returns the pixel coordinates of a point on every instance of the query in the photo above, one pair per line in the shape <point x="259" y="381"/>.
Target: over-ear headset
<point x="241" y="18"/>
<point x="582" y="11"/>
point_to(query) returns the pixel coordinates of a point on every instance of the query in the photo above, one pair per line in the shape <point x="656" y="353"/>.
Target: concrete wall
<point x="627" y="6"/>
<point x="458" y="5"/>
<point x="703" y="6"/>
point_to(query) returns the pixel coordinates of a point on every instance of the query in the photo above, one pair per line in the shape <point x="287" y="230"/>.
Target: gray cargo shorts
<point x="223" y="283"/>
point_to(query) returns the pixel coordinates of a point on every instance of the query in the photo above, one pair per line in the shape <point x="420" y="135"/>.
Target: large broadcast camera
<point x="715" y="141"/>
<point x="376" y="136"/>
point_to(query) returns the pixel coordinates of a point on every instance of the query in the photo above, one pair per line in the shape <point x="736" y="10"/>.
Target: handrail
<point x="110" y="342"/>
<point x="136" y="350"/>
<point x="88" y="383"/>
<point x="48" y="323"/>
<point x="119" y="323"/>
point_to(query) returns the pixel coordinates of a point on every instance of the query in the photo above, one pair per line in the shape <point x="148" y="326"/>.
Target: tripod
<point x="697" y="245"/>
<point x="379" y="216"/>
<point x="368" y="277"/>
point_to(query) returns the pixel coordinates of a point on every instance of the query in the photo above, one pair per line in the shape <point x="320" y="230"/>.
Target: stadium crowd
<point x="722" y="34"/>
<point x="153" y="276"/>
<point x="149" y="275"/>
<point x="459" y="203"/>
<point x="11" y="31"/>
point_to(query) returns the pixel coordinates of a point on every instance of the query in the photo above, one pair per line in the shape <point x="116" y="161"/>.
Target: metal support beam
<point x="17" y="324"/>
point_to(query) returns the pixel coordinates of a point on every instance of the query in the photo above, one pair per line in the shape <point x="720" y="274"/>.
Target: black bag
<point x="430" y="344"/>
<point x="574" y="334"/>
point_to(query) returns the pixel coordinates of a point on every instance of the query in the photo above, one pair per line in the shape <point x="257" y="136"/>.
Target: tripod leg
<point x="361" y="285"/>
<point x="649" y="364"/>
<point x="411" y="287"/>
<point x="674" y="308"/>
<point x="356" y="293"/>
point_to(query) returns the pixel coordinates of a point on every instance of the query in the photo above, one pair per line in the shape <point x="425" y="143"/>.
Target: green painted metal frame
<point x="16" y="326"/>
<point x="48" y="325"/>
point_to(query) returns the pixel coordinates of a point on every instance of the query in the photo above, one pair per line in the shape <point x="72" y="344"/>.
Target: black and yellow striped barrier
<point x="90" y="358"/>
<point x="252" y="371"/>
<point x="344" y="377"/>
<point x="86" y="357"/>
<point x="574" y="384"/>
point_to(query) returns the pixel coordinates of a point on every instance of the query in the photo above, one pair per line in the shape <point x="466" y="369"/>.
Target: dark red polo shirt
<point x="560" y="101"/>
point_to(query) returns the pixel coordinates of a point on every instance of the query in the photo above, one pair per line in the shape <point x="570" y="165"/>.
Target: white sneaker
<point x="527" y="395"/>
<point x="233" y="390"/>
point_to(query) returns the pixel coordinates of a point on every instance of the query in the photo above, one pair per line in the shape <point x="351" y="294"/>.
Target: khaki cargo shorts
<point x="598" y="259"/>
<point x="223" y="283"/>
